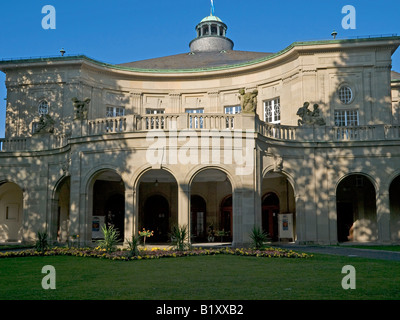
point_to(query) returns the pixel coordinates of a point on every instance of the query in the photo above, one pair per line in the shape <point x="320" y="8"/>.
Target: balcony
<point x="199" y="122"/>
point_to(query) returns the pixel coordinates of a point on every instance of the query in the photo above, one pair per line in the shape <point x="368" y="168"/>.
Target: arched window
<point x="43" y="107"/>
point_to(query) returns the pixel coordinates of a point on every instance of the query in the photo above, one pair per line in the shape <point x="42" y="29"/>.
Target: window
<point x="346" y="118"/>
<point x="345" y="94"/>
<point x="112" y="112"/>
<point x="195" y="122"/>
<point x="272" y="111"/>
<point x="12" y="212"/>
<point x="233" y="110"/>
<point x="155" y="111"/>
<point x="155" y="122"/>
<point x="43" y="107"/>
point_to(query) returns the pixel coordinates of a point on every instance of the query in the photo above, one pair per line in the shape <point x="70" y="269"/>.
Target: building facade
<point x="303" y="143"/>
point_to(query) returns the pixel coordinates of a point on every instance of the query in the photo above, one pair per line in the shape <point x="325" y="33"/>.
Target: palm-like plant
<point x="110" y="238"/>
<point x="180" y="238"/>
<point x="258" y="237"/>
<point x="41" y="243"/>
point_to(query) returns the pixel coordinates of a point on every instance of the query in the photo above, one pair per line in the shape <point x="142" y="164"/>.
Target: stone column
<point x="332" y="213"/>
<point x="300" y="220"/>
<point x="383" y="216"/>
<point x="244" y="216"/>
<point x="74" y="219"/>
<point x="184" y="206"/>
<point x="129" y="223"/>
<point x="52" y="231"/>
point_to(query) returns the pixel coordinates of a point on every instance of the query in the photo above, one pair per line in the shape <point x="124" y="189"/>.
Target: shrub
<point x="110" y="238"/>
<point x="180" y="238"/>
<point x="41" y="244"/>
<point x="258" y="237"/>
<point x="133" y="250"/>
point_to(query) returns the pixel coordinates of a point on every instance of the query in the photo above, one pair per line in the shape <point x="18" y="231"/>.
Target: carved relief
<point x="278" y="164"/>
<point x="80" y="108"/>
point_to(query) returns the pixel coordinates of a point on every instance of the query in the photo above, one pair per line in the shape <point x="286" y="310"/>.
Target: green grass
<point x="199" y="278"/>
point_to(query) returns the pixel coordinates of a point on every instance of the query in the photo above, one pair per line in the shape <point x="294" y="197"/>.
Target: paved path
<point x="345" y="251"/>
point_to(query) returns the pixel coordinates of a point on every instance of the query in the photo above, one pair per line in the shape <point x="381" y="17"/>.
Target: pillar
<point x="129" y="223"/>
<point x="383" y="216"/>
<point x="184" y="206"/>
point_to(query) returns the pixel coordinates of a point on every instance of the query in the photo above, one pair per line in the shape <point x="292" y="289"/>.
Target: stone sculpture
<point x="248" y="101"/>
<point x="45" y="124"/>
<point x="80" y="108"/>
<point x="308" y="117"/>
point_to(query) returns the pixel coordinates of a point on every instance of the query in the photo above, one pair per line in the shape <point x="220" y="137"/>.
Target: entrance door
<point x="226" y="218"/>
<point x="345" y="220"/>
<point x="156" y="218"/>
<point x="115" y="214"/>
<point x="270" y="211"/>
<point x="198" y="218"/>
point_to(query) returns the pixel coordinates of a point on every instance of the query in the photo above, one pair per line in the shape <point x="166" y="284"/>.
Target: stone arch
<point x="356" y="217"/>
<point x="105" y="201"/>
<point x="214" y="184"/>
<point x="11" y="212"/>
<point x="88" y="178"/>
<point x="159" y="216"/>
<point x="198" y="169"/>
<point x="60" y="207"/>
<point x="285" y="173"/>
<point x="282" y="184"/>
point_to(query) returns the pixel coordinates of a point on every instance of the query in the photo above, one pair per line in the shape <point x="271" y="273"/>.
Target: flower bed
<point x="154" y="253"/>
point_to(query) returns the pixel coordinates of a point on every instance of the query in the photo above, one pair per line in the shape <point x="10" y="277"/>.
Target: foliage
<point x="41" y="243"/>
<point x="145" y="234"/>
<point x="110" y="238"/>
<point x="133" y="246"/>
<point x="221" y="233"/>
<point x="180" y="238"/>
<point x="258" y="237"/>
<point x="156" y="253"/>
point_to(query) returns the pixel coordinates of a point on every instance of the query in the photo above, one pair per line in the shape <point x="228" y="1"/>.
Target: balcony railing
<point x="201" y="121"/>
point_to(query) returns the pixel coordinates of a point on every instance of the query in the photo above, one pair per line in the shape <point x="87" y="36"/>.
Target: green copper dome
<point x="211" y="18"/>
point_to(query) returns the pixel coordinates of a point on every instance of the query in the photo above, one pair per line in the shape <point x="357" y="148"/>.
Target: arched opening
<point x="394" y="196"/>
<point x="11" y="208"/>
<point x="108" y="204"/>
<point x="214" y="218"/>
<point x="356" y="209"/>
<point x="278" y="207"/>
<point x="198" y="213"/>
<point x="226" y="219"/>
<point x="156" y="217"/>
<point x="61" y="209"/>
<point x="158" y="204"/>
<point x="270" y="212"/>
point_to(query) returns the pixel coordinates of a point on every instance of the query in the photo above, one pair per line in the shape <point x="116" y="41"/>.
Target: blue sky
<point x="128" y="30"/>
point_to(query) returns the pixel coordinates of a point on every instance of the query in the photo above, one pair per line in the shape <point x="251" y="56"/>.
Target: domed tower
<point x="211" y="36"/>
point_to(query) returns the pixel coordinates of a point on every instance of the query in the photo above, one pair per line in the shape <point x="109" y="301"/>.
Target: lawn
<point x="226" y="277"/>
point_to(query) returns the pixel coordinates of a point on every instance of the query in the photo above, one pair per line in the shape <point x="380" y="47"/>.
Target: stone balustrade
<point x="201" y="121"/>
